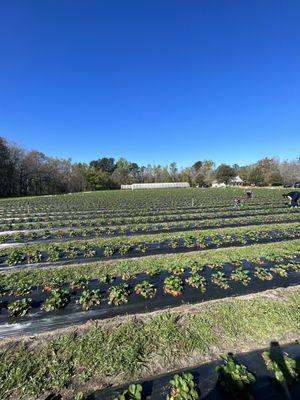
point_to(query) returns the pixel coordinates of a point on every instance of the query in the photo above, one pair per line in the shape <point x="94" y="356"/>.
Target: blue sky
<point x="154" y="81"/>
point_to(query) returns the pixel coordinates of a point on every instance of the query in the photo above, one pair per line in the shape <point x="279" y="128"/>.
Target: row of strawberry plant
<point x="121" y="200"/>
<point x="74" y="220"/>
<point x="141" y="244"/>
<point x="233" y="378"/>
<point x="255" y="255"/>
<point x="80" y="279"/>
<point x="118" y="294"/>
<point x="131" y="229"/>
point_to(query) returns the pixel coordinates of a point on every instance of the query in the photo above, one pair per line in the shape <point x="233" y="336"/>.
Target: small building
<point x="158" y="185"/>
<point x="237" y="181"/>
<point x="216" y="184"/>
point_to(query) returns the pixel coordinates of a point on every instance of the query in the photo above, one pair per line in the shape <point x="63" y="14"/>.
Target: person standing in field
<point x="293" y="198"/>
<point x="249" y="195"/>
<point x="237" y="202"/>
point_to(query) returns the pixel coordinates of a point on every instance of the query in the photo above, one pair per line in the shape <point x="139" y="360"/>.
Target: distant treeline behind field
<point x="33" y="173"/>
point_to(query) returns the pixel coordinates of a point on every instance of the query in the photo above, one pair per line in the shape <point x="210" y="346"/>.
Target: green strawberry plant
<point x="19" y="308"/>
<point x="145" y="289"/>
<point x="177" y="269"/>
<point x="15" y="257"/>
<point x="58" y="299"/>
<point x="284" y="367"/>
<point x="22" y="287"/>
<point x="80" y="283"/>
<point x="142" y="248"/>
<point x="241" y="275"/>
<point x="197" y="281"/>
<point x="190" y="241"/>
<point x="52" y="283"/>
<point x="89" y="299"/>
<point x="280" y="270"/>
<point x="262" y="274"/>
<point x="173" y="243"/>
<point x="183" y="387"/>
<point x="88" y="250"/>
<point x="106" y="278"/>
<point x="108" y="250"/>
<point x="153" y="271"/>
<point x="134" y="392"/>
<point x="235" y="378"/>
<point x="53" y="252"/>
<point x="124" y="249"/>
<point x="127" y="276"/>
<point x="71" y="251"/>
<point x="196" y="267"/>
<point x="219" y="278"/>
<point x="173" y="285"/>
<point x="118" y="294"/>
<point x="34" y="256"/>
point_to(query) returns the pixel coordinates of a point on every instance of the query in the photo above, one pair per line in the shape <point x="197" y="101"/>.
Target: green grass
<point x="135" y="347"/>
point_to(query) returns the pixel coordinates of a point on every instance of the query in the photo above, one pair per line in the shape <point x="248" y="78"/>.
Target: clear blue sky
<point x="154" y="81"/>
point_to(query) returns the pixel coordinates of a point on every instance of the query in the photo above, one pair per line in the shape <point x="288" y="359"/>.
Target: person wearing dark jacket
<point x="293" y="197"/>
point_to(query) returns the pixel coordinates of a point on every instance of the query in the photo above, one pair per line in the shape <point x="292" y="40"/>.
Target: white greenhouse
<point x="160" y="185"/>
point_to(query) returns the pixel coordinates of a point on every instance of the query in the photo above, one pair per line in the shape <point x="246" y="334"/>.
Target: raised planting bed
<point x="57" y="305"/>
<point x="72" y="220"/>
<point x="67" y="234"/>
<point x="242" y="376"/>
<point x="136" y="246"/>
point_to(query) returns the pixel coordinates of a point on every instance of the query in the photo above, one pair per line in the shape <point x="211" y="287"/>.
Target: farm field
<point x="106" y="289"/>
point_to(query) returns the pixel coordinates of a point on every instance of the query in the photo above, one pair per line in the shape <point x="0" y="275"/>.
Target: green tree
<point x="225" y="173"/>
<point x="104" y="164"/>
<point x="256" y="176"/>
<point x="99" y="180"/>
<point x="275" y="179"/>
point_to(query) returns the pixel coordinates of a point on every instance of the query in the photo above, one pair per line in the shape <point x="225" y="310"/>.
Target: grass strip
<point x="137" y="347"/>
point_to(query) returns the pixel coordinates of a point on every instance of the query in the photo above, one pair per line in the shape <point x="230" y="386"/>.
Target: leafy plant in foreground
<point x="145" y="289"/>
<point x="219" y="278"/>
<point x="235" y="377"/>
<point x="88" y="250"/>
<point x="118" y="294"/>
<point x="34" y="256"/>
<point x="53" y="283"/>
<point x="262" y="274"/>
<point x="19" y="308"/>
<point x="108" y="250"/>
<point x="177" y="269"/>
<point x="15" y="257"/>
<point x="197" y="281"/>
<point x="106" y="278"/>
<point x="89" y="298"/>
<point x="134" y="392"/>
<point x="53" y="253"/>
<point x="284" y="367"/>
<point x="173" y="285"/>
<point x="127" y="276"/>
<point x="280" y="270"/>
<point x="58" y="299"/>
<point x="183" y="387"/>
<point x="241" y="275"/>
<point x="80" y="283"/>
<point x="21" y="288"/>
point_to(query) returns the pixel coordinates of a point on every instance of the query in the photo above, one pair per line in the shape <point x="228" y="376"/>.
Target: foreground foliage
<point x="70" y="360"/>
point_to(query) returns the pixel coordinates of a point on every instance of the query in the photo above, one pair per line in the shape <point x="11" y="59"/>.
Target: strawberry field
<point x="168" y="280"/>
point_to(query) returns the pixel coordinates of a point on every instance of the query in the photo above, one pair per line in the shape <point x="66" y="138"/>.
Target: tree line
<point x="33" y="173"/>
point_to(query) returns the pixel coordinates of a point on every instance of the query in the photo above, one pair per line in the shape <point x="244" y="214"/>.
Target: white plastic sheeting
<point x="159" y="185"/>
